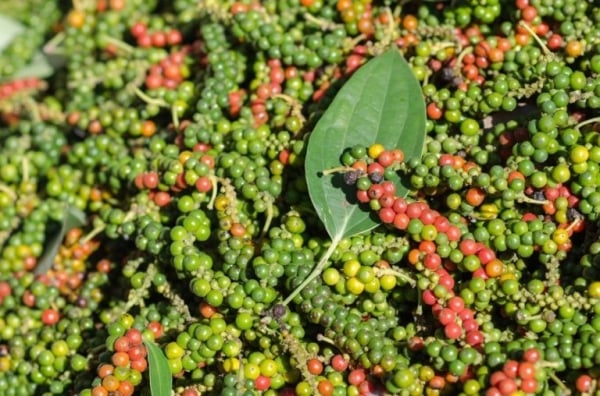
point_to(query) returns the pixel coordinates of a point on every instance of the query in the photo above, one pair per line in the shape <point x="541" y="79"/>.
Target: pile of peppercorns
<point x="153" y="191"/>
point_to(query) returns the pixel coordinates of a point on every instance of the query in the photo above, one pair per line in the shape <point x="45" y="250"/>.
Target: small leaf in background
<point x="9" y="29"/>
<point x="39" y="67"/>
<point x="159" y="372"/>
<point x="381" y="103"/>
<point x="72" y="217"/>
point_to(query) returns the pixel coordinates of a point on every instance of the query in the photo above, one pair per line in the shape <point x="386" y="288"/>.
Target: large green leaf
<point x="381" y="103"/>
<point x="9" y="29"/>
<point x="161" y="380"/>
<point x="41" y="65"/>
<point x="72" y="217"/>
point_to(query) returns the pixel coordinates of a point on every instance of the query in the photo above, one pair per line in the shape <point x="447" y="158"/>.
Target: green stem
<point x="176" y="301"/>
<point x="537" y="38"/>
<point x="558" y="382"/>
<point x="352" y="42"/>
<point x="213" y="196"/>
<point x="9" y="191"/>
<point x="123" y="46"/>
<point x="269" y="218"/>
<point x="51" y="46"/>
<point x="460" y="57"/>
<point x="337" y="169"/>
<point x="316" y="271"/>
<point x="586" y="122"/>
<point x="97" y="230"/>
<point x="322" y="338"/>
<point x="136" y="295"/>
<point x="32" y="107"/>
<point x="4" y="235"/>
<point x="149" y="100"/>
<point x="526" y="199"/>
<point x="323" y="24"/>
<point x="294" y="104"/>
<point x="25" y="169"/>
<point x="175" y="117"/>
<point x="398" y="273"/>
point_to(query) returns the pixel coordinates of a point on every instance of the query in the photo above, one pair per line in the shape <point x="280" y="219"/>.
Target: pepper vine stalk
<point x="547" y="52"/>
<point x="8" y="191"/>
<point x="157" y="102"/>
<point x="337" y="169"/>
<point x="101" y="225"/>
<point x="295" y="105"/>
<point x="522" y="198"/>
<point x="397" y="272"/>
<point x="587" y="122"/>
<point x="176" y="300"/>
<point x="269" y="213"/>
<point x="213" y="196"/>
<point x="323" y="24"/>
<point x="51" y="47"/>
<point x="136" y="296"/>
<point x="301" y="355"/>
<point x="119" y="44"/>
<point x="316" y="271"/>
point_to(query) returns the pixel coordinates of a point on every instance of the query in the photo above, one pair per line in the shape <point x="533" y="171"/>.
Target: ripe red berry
<point x="362" y="196"/>
<point x="456" y="303"/>
<point x="315" y="366"/>
<point x="150" y="180"/>
<point x="526" y="370"/>
<point x="386" y="215"/>
<point x="452" y="330"/>
<point x="496" y="377"/>
<point x="339" y="363"/>
<point x="468" y="246"/>
<point x="414" y="209"/>
<point x="375" y="191"/>
<point x="446" y="316"/>
<point x="474" y="338"/>
<point x="399" y="205"/>
<point x="137" y="29"/>
<point x="162" y="198"/>
<point x="203" y="184"/>
<point x="401" y="221"/>
<point x="135" y="336"/>
<point x="50" y="316"/>
<point x="583" y="383"/>
<point x="121" y="344"/>
<point x="529" y="385"/>
<point x="356" y="376"/>
<point x="262" y="383"/>
<point x="385" y="158"/>
<point x="375" y="167"/>
<point x="532" y="355"/>
<point x="428" y="297"/>
<point x="470" y="325"/>
<point x="507" y="386"/>
<point x="510" y="368"/>
<point x="159" y="39"/>
<point x="174" y="37"/>
<point x="432" y="261"/>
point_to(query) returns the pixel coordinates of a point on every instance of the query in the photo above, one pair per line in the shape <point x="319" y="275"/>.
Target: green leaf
<point x="9" y="29"/>
<point x="381" y="103"/>
<point x="72" y="217"/>
<point x="160" y="374"/>
<point x="39" y="67"/>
